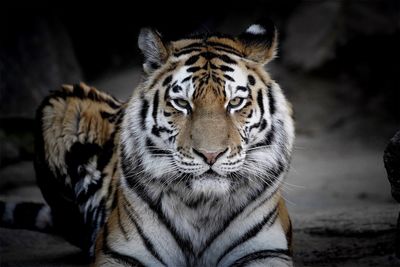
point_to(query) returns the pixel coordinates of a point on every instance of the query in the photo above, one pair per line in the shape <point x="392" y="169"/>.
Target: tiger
<point x="188" y="171"/>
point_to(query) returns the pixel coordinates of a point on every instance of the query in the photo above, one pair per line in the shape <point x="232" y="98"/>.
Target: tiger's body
<point x="186" y="173"/>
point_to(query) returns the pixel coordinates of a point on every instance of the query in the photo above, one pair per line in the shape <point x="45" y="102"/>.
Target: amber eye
<point x="180" y="103"/>
<point x="235" y="102"/>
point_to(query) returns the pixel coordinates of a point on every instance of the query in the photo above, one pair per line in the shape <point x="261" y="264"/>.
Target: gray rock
<point x="391" y="159"/>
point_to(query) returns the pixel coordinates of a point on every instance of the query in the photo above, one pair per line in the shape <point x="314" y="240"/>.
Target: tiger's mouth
<point x="211" y="174"/>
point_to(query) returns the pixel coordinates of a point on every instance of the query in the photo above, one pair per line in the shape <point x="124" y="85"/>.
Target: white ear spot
<point x="256" y="29"/>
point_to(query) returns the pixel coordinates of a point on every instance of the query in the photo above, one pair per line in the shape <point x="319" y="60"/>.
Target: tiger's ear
<point x="260" y="42"/>
<point x="153" y="48"/>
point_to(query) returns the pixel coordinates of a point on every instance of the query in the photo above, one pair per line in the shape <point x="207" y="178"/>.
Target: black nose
<point x="209" y="156"/>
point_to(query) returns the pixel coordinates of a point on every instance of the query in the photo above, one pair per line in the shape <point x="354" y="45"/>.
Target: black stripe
<point x="122" y="259"/>
<point x="268" y="220"/>
<point x="224" y="47"/>
<point x="143" y="113"/>
<point x="166" y="94"/>
<point x="155" y="107"/>
<point x="167" y="80"/>
<point x="191" y="46"/>
<point x="193" y="69"/>
<point x="229" y="77"/>
<point x="242" y="88"/>
<point x="151" y="147"/>
<point x="78" y="91"/>
<point x="161" y="74"/>
<point x="106" y="115"/>
<point x="192" y="60"/>
<point x="263" y="125"/>
<point x="176" y="89"/>
<point x="263" y="254"/>
<point x="158" y="130"/>
<point x="186" y="51"/>
<point x="271" y="101"/>
<point x="221" y="49"/>
<point x="226" y="68"/>
<point x="186" y="79"/>
<point x="260" y="102"/>
<point x="146" y="240"/>
<point x="270" y="136"/>
<point x="226" y="59"/>
<point x="251" y="80"/>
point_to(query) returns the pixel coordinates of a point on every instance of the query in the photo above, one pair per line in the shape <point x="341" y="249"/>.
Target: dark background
<point x="338" y="63"/>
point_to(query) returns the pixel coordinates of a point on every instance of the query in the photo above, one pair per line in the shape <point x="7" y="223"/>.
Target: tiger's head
<point x="207" y="113"/>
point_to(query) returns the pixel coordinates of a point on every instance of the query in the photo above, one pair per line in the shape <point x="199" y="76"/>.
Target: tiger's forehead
<point x="226" y="44"/>
<point x="209" y="68"/>
<point x="207" y="80"/>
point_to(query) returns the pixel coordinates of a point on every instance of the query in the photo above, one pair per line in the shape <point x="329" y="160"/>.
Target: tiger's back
<point x="76" y="159"/>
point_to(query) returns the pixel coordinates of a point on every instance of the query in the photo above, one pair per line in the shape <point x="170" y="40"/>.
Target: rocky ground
<point x="337" y="190"/>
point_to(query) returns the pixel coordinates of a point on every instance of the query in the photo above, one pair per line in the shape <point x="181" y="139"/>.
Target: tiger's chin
<point x="211" y="184"/>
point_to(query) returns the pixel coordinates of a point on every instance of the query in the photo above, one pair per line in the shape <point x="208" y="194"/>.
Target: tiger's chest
<point x="199" y="220"/>
<point x="205" y="232"/>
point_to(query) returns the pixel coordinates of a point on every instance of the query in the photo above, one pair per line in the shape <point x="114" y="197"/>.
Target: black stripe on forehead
<point x="222" y="45"/>
<point x="206" y="43"/>
<point x="186" y="51"/>
<point x="224" y="48"/>
<point x="211" y="55"/>
<point x="195" y="47"/>
<point x="192" y="60"/>
<point x="226" y="68"/>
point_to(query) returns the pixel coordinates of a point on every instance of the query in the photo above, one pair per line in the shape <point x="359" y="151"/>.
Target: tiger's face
<point x="204" y="115"/>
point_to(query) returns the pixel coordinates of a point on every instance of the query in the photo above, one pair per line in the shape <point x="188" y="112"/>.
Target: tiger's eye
<point x="236" y="102"/>
<point x="181" y="103"/>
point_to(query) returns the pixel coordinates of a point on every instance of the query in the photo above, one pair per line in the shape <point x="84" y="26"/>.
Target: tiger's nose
<point x="208" y="156"/>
